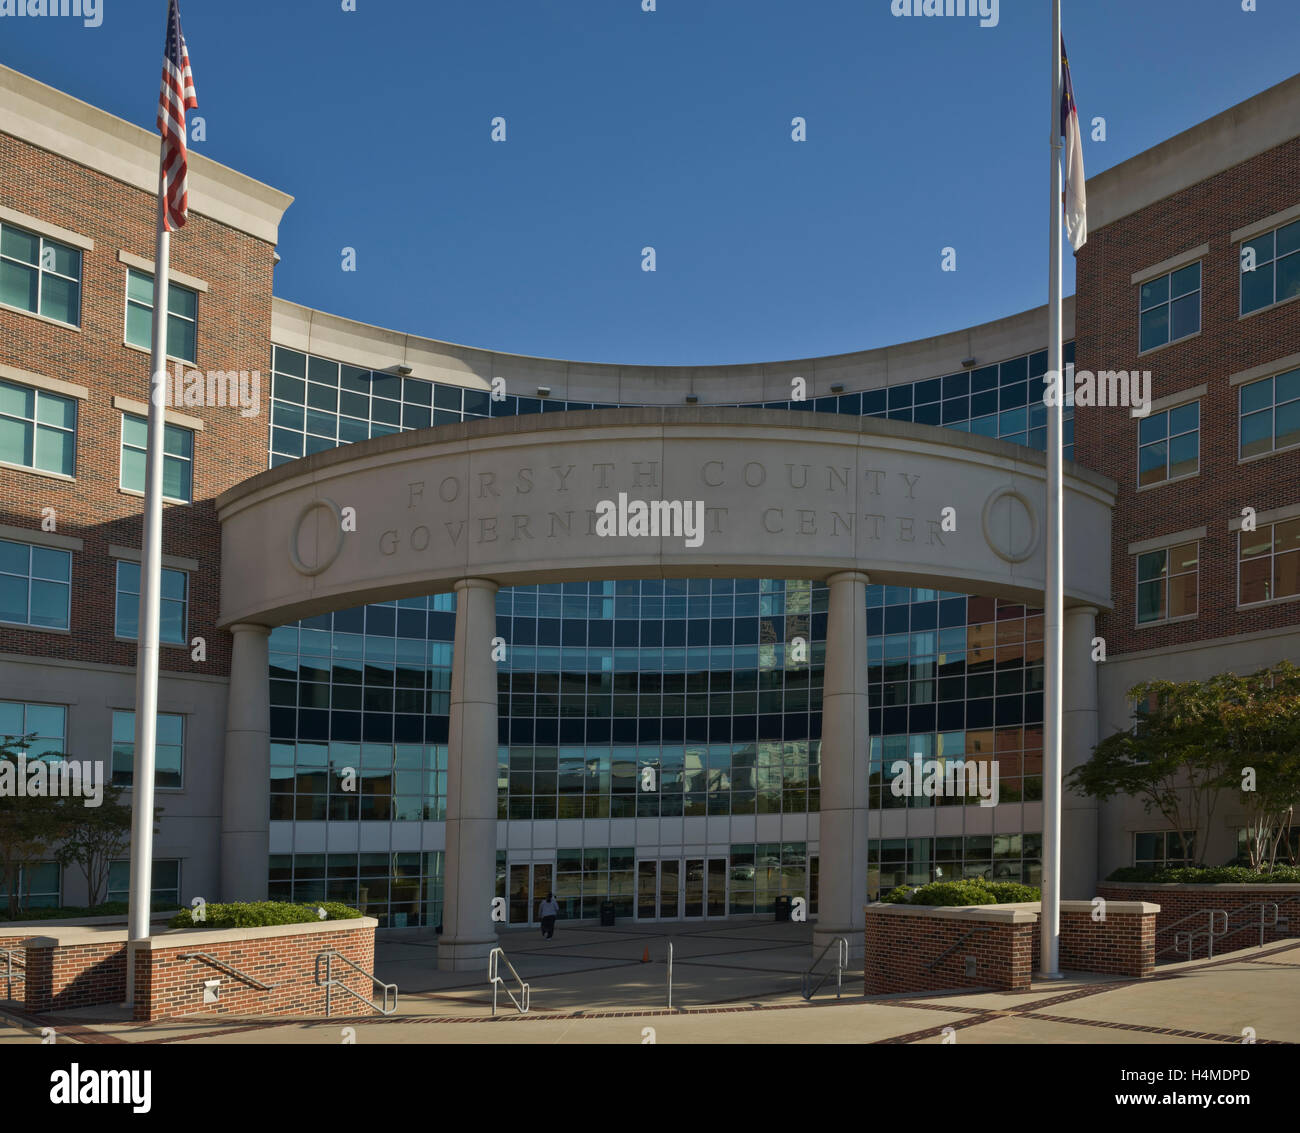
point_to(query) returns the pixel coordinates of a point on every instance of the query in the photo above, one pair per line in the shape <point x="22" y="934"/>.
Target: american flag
<point x="176" y="97"/>
<point x="1076" y="193"/>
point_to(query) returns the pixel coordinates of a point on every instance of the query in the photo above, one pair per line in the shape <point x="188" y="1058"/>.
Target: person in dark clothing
<point x="550" y="910"/>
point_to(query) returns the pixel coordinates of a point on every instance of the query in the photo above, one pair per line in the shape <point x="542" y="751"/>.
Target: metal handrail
<point x="330" y="982"/>
<point x="841" y="962"/>
<point x="494" y="960"/>
<point x="11" y="958"/>
<point x="957" y="944"/>
<point x="670" y="975"/>
<point x="1209" y="933"/>
<point x="222" y="966"/>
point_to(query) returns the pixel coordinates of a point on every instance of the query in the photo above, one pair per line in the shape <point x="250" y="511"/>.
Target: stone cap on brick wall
<point x="1216" y="887"/>
<point x="20" y="928"/>
<point x="997" y="914"/>
<point x="184" y="937"/>
<point x="1018" y="913"/>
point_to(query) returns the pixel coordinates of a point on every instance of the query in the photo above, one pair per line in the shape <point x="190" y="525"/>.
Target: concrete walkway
<point x="739" y="983"/>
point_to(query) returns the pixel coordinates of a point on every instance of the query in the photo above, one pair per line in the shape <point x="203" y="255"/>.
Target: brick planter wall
<point x="902" y="941"/>
<point x="1179" y="901"/>
<point x="280" y="958"/>
<point x="82" y="966"/>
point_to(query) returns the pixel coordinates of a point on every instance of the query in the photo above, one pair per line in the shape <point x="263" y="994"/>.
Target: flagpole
<point x="1053" y="597"/>
<point x="146" y="680"/>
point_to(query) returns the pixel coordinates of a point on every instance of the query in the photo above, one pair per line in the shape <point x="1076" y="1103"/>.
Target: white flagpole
<point x="1053" y="597"/>
<point x="146" y="680"/>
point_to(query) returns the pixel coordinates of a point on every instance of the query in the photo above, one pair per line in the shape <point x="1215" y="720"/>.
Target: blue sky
<point x="670" y="129"/>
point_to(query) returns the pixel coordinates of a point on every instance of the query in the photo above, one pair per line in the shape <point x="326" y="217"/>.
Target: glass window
<point x="165" y="891"/>
<point x="40" y="275"/>
<point x="1162" y="848"/>
<point x="178" y="458"/>
<point x="1169" y="444"/>
<point x="1270" y="268"/>
<point x="1169" y="307"/>
<point x="46" y="723"/>
<point x="1167" y="583"/>
<point x="169" y="751"/>
<point x="37" y="429"/>
<point x="35" y="585"/>
<point x="173" y="613"/>
<point x="1268" y="563"/>
<point x="1270" y="414"/>
<point x="182" y="315"/>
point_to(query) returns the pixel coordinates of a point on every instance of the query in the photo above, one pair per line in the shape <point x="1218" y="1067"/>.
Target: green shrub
<point x="970" y="891"/>
<point x="256" y="914"/>
<point x="1208" y="875"/>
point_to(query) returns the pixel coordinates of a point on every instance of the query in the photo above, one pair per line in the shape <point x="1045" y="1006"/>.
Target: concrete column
<point x="842" y="891"/>
<point x="468" y="934"/>
<point x="1079" y="735"/>
<point x="246" y="779"/>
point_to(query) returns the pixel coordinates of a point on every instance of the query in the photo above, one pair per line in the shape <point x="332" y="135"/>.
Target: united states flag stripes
<point x="177" y="96"/>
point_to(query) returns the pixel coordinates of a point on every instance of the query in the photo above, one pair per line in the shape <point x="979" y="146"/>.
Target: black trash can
<point x="783" y="908"/>
<point x="607" y="914"/>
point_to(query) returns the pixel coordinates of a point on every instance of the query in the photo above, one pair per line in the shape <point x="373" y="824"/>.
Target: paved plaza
<point x="736" y="983"/>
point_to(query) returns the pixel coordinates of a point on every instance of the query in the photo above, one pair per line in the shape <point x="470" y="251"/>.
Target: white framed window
<point x="174" y="608"/>
<point x="1167" y="583"/>
<point x="169" y="751"/>
<point x="46" y="723"/>
<point x="1269" y="413"/>
<point x="182" y="315"/>
<point x="1169" y="444"/>
<point x="166" y="890"/>
<point x="178" y="458"/>
<point x="1268" y="563"/>
<point x="35" y="585"/>
<point x="1162" y="848"/>
<point x="1169" y="307"/>
<point x="39" y="886"/>
<point x="1275" y="276"/>
<point x="38" y="429"/>
<point x="39" y="275"/>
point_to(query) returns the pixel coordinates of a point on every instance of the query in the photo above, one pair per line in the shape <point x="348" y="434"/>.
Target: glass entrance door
<point x="527" y="886"/>
<point x="694" y="888"/>
<point x="717" y="905"/>
<point x="669" y="890"/>
<point x="647" y="877"/>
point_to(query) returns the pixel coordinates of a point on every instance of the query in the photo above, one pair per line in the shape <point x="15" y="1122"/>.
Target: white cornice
<point x="66" y="126"/>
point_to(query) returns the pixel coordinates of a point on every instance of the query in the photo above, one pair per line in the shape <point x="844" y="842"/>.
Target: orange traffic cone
<point x="645" y="956"/>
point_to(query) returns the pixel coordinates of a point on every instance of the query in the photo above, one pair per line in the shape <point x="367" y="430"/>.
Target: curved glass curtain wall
<point x="690" y="677"/>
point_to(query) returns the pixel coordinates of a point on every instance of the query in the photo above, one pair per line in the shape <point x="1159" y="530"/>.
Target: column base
<point x="856" y="937"/>
<point x="465" y="954"/>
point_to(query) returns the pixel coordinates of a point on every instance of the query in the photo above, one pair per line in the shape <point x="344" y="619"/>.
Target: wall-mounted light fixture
<point x="969" y="363"/>
<point x="405" y="371"/>
<point x="543" y="391"/>
<point x="838" y="387"/>
<point x="691" y="399"/>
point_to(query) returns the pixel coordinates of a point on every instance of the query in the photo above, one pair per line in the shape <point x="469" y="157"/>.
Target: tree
<point x="1176" y="759"/>
<point x="1268" y="723"/>
<point x="94" y="837"/>
<point x="30" y="826"/>
<point x="1192" y="740"/>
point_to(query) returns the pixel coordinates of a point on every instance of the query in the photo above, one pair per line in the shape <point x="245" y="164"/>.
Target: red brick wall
<point x="286" y="963"/>
<point x="1122" y="945"/>
<point x="899" y="947"/>
<point x="1106" y="338"/>
<point x="234" y="333"/>
<point x="88" y="975"/>
<point x="1179" y="901"/>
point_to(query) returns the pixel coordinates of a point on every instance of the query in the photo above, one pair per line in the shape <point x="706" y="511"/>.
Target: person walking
<point x="550" y="910"/>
